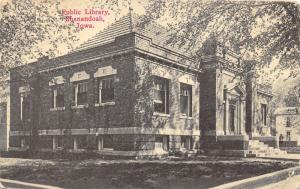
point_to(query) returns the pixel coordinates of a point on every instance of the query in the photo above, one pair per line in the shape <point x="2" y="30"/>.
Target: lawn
<point x="198" y="173"/>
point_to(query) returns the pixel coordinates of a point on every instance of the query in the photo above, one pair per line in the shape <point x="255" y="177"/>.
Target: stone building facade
<point x="287" y="120"/>
<point x="125" y="92"/>
<point x="128" y="96"/>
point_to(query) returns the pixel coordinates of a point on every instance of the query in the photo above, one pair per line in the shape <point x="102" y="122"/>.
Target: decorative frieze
<point x="161" y="72"/>
<point x="187" y="79"/>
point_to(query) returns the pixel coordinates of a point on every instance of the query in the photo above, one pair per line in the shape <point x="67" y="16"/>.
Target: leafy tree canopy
<point x="259" y="30"/>
<point x="26" y="24"/>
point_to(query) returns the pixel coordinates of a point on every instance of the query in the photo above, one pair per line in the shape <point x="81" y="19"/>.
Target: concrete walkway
<point x="14" y="184"/>
<point x="285" y="157"/>
<point x="287" y="178"/>
<point x="289" y="183"/>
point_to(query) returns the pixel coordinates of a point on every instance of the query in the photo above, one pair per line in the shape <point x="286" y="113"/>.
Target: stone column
<point x="237" y="118"/>
<point x="241" y="121"/>
<point x="226" y="111"/>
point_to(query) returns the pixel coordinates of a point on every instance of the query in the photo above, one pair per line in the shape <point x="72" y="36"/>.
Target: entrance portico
<point x="234" y="102"/>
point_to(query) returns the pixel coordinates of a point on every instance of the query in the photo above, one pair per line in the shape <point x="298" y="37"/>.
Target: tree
<point x="24" y="27"/>
<point x="292" y="98"/>
<point x="258" y="30"/>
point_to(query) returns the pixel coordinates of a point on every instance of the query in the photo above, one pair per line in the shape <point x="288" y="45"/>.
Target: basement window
<point x="58" y="142"/>
<point x="82" y="142"/>
<point x="186" y="142"/>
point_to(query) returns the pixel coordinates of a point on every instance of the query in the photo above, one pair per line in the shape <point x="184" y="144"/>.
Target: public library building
<point x="124" y="92"/>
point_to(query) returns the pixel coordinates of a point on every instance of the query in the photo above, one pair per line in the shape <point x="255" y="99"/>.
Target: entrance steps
<point x="259" y="149"/>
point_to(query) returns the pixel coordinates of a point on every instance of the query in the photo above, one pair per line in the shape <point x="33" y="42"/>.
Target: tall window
<point x="186" y="100"/>
<point x="106" y="90"/>
<point x="232" y="115"/>
<point x="80" y="93"/>
<point x="264" y="114"/>
<point x="161" y="95"/>
<point x="57" y="97"/>
<point x="288" y="122"/>
<point x="25" y="106"/>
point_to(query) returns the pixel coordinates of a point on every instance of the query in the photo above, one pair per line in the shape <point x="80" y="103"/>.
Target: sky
<point x="87" y="33"/>
<point x="138" y="8"/>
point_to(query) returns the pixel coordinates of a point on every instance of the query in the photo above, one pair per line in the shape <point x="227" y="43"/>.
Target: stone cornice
<point x="221" y="62"/>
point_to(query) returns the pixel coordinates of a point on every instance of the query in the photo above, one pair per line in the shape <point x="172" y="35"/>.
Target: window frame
<point x="75" y="93"/>
<point x="288" y="122"/>
<point x="264" y="114"/>
<point x="24" y="95"/>
<point x="166" y="91"/>
<point x="288" y="136"/>
<point x="54" y="95"/>
<point x="189" y="100"/>
<point x="99" y="98"/>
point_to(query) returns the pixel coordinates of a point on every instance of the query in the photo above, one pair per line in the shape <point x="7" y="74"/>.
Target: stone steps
<point x="259" y="149"/>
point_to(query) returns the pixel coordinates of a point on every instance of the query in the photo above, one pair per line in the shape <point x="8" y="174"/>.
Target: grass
<point x="201" y="172"/>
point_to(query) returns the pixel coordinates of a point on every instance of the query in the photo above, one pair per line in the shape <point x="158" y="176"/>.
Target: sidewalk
<point x="13" y="184"/>
<point x="290" y="183"/>
<point x="287" y="178"/>
<point x="285" y="157"/>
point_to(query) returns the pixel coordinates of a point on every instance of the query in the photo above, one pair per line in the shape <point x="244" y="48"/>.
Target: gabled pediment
<point x="237" y="90"/>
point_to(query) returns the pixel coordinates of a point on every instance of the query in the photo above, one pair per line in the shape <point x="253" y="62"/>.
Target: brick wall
<point x="119" y="115"/>
<point x="133" y="98"/>
<point x="144" y="99"/>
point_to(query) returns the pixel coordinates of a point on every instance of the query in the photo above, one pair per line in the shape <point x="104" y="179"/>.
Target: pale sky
<point x="87" y="33"/>
<point x="138" y="8"/>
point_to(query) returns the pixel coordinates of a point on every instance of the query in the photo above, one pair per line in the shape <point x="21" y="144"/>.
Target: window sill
<point x="105" y="104"/>
<point x="80" y="106"/>
<point x="161" y="114"/>
<point x="57" y="109"/>
<point x="185" y="117"/>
